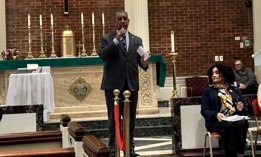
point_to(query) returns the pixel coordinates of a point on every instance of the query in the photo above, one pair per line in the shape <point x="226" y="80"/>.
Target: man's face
<point x="122" y="21"/>
<point x="239" y="65"/>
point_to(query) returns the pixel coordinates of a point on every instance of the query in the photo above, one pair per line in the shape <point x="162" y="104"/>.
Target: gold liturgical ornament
<point x="68" y="48"/>
<point x="80" y="89"/>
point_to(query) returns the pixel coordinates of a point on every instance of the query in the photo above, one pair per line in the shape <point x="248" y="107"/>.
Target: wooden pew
<point x="55" y="152"/>
<point x="86" y="144"/>
<point x="30" y="140"/>
<point x="94" y="148"/>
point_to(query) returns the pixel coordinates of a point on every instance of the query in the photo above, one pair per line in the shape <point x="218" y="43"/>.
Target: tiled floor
<point x="152" y="146"/>
<point x="157" y="146"/>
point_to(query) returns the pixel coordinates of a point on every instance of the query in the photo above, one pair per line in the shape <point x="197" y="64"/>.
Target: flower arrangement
<point x="10" y="54"/>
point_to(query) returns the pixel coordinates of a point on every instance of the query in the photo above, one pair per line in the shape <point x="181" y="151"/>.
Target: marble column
<point x="139" y="25"/>
<point x="257" y="37"/>
<point x="138" y="15"/>
<point x="3" y="26"/>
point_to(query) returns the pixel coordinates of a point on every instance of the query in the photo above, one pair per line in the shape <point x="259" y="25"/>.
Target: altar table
<point x="30" y="89"/>
<point x="68" y="73"/>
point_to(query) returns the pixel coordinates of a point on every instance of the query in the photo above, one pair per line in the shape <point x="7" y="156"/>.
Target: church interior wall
<point x="203" y="29"/>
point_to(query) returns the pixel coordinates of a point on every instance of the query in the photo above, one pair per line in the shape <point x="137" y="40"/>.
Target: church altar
<point x="77" y="82"/>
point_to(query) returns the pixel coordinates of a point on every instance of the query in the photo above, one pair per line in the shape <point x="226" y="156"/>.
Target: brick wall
<point x="203" y="28"/>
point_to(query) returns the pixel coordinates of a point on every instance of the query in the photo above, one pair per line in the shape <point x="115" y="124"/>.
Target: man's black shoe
<point x="133" y="154"/>
<point x="112" y="154"/>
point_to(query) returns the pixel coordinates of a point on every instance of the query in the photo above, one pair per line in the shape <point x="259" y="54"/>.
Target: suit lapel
<point x="131" y="42"/>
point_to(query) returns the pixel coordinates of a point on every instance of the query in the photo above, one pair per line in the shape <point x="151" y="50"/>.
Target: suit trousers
<point x="110" y="111"/>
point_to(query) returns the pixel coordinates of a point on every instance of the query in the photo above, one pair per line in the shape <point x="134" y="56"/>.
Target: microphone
<point x="123" y="35"/>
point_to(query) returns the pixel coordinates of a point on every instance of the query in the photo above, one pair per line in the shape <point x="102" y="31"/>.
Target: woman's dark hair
<point x="226" y="72"/>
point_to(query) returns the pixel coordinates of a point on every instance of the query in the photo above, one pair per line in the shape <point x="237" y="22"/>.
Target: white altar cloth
<point x="31" y="89"/>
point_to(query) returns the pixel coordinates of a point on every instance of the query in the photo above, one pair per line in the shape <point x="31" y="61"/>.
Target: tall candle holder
<point x="79" y="51"/>
<point x="93" y="41"/>
<point x="103" y="29"/>
<point x="53" y="55"/>
<point x="42" y="55"/>
<point x="84" y="54"/>
<point x="173" y="59"/>
<point x="29" y="56"/>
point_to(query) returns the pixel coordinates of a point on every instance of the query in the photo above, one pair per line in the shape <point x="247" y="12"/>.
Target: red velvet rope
<point x="117" y="127"/>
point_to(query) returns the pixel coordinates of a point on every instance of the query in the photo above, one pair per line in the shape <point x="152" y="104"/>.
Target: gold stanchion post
<point x="126" y="119"/>
<point x="116" y="93"/>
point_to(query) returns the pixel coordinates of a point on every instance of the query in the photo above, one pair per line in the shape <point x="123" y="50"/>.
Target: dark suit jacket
<point x="119" y="66"/>
<point x="211" y="105"/>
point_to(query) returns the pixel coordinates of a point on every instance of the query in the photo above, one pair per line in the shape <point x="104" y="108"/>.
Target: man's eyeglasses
<point x="238" y="64"/>
<point x="122" y="18"/>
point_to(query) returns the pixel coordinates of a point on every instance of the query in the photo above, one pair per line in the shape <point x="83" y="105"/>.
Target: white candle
<point x="172" y="41"/>
<point x="92" y="18"/>
<point x="40" y="20"/>
<point x="29" y="21"/>
<point x="81" y="18"/>
<point x="51" y="19"/>
<point x="103" y="18"/>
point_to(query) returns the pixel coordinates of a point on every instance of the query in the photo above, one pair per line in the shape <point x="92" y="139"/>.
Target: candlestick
<point x="103" y="24"/>
<point x="173" y="58"/>
<point x="92" y="18"/>
<point x="172" y="41"/>
<point x="42" y="55"/>
<point x="102" y="18"/>
<point x="29" y="56"/>
<point x="93" y="41"/>
<point x="53" y="55"/>
<point x="84" y="54"/>
<point x="29" y="21"/>
<point x="51" y="19"/>
<point x="82" y="18"/>
<point x="40" y="20"/>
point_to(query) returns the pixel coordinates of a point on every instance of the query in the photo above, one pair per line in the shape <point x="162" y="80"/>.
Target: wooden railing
<point x="56" y="152"/>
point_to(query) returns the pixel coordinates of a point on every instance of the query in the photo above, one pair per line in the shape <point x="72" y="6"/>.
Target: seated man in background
<point x="245" y="78"/>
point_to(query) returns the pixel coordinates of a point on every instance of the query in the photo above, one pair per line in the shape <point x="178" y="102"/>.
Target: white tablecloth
<point x="31" y="89"/>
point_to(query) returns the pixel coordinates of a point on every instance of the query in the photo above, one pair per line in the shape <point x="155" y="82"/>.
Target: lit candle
<point x="40" y="20"/>
<point x="92" y="18"/>
<point x="103" y="18"/>
<point x="81" y="18"/>
<point x="29" y="21"/>
<point x="172" y="41"/>
<point x="51" y="19"/>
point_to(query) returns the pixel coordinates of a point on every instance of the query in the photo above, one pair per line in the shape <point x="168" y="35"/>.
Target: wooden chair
<point x="257" y="114"/>
<point x="210" y="135"/>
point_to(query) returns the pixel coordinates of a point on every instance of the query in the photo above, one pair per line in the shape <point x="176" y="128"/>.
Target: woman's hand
<point x="240" y="106"/>
<point x="219" y="116"/>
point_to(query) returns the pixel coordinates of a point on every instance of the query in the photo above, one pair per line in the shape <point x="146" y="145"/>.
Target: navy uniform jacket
<point x="119" y="66"/>
<point x="211" y="105"/>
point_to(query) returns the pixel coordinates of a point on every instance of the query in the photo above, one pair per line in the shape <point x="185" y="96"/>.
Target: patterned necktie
<point x="123" y="40"/>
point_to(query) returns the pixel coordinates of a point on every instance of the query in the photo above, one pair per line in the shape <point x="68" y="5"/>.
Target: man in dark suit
<point x="119" y="52"/>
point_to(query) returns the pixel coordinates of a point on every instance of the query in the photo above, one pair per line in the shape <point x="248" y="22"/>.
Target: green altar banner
<point x="84" y="61"/>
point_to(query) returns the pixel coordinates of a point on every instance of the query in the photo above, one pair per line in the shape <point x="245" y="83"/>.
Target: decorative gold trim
<point x="80" y="89"/>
